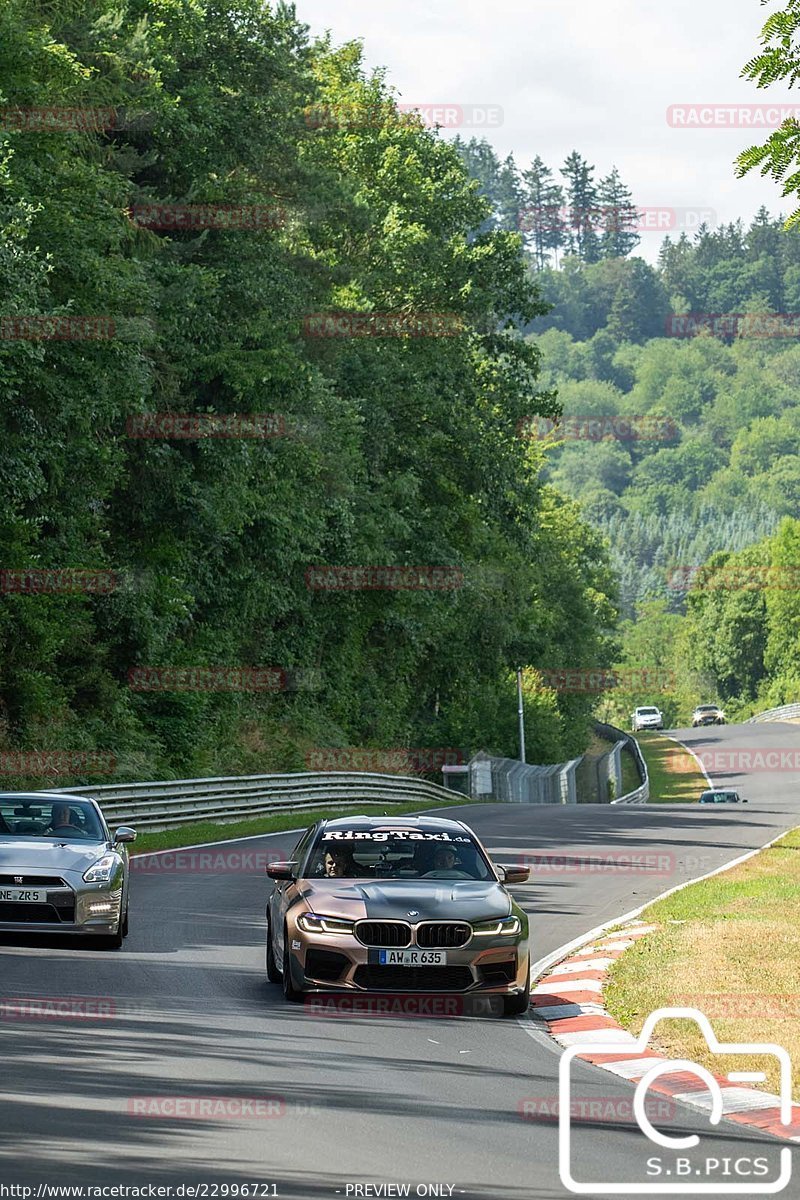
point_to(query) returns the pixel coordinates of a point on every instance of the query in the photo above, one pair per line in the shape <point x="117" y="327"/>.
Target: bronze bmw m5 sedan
<point x="396" y="904"/>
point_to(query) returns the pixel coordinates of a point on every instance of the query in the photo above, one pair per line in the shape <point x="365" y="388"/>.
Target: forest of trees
<point x="395" y="449"/>
<point x="679" y="449"/>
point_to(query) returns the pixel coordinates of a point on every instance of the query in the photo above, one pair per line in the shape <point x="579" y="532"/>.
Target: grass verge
<point x="675" y="777"/>
<point x="217" y="831"/>
<point x="730" y="947"/>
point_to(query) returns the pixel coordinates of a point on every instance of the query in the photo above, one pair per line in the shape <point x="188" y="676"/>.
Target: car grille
<point x="383" y="933"/>
<point x="443" y="933"/>
<point x="38" y="914"/>
<point x="18" y="880"/>
<point x="414" y="979"/>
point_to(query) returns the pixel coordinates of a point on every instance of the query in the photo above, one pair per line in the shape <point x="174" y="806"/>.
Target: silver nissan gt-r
<point x="61" y="871"/>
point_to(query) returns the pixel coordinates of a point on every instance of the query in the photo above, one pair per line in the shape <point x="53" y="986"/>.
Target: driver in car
<point x="62" y="819"/>
<point x="444" y="859"/>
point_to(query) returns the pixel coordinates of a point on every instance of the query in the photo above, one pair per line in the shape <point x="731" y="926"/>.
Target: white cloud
<point x="592" y="75"/>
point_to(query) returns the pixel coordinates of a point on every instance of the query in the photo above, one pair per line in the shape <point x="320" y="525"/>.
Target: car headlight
<point x="311" y="922"/>
<point x="507" y="927"/>
<point x="102" y="870"/>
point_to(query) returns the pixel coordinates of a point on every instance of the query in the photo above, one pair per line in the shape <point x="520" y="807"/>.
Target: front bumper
<point x="92" y="910"/>
<point x="325" y="963"/>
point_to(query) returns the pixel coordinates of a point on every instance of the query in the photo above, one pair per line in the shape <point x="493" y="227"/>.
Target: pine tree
<point x="582" y="203"/>
<point x="619" y="217"/>
<point x="542" y="216"/>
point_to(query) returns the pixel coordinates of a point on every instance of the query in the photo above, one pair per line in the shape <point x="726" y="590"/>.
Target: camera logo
<point x="722" y="1097"/>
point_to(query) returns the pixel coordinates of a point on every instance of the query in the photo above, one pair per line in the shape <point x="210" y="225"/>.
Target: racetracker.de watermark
<point x="249" y="217"/>
<point x="58" y="1008"/>
<point x="38" y="581"/>
<point x="738" y="578"/>
<point x="613" y="862"/>
<point x="208" y="1108"/>
<point x="56" y="762"/>
<point x="611" y="1110"/>
<point x="731" y="116"/>
<point x="609" y="426"/>
<point x="64" y="328"/>
<point x="733" y="325"/>
<point x="206" y="679"/>
<point x="433" y="115"/>
<point x="390" y="579"/>
<point x="733" y="761"/>
<point x="595" y="679"/>
<point x="413" y="761"/>
<point x="743" y="1006"/>
<point x="380" y="325"/>
<point x="605" y="218"/>
<point x="59" y="119"/>
<point x="409" y="1004"/>
<point x="205" y="862"/>
<point x="195" y="426"/>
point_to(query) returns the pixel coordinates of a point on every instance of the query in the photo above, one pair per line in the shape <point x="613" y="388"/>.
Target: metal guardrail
<point x="178" y="801"/>
<point x="642" y="794"/>
<point x="508" y="781"/>
<point x="789" y="712"/>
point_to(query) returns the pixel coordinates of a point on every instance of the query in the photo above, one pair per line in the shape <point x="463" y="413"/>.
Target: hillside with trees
<point x="680" y="449"/>
<point x="394" y="450"/>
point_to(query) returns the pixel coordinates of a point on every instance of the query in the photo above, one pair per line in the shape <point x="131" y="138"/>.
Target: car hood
<point x="43" y="855"/>
<point x="384" y="900"/>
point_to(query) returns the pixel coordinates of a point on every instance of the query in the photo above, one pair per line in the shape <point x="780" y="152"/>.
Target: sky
<point x="550" y="76"/>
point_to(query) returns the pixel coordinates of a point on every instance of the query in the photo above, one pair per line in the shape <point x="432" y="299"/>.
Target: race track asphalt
<point x="361" y="1101"/>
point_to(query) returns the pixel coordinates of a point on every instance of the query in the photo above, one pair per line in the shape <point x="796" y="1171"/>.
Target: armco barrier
<point x="789" y="712"/>
<point x="179" y="801"/>
<point x="610" y="732"/>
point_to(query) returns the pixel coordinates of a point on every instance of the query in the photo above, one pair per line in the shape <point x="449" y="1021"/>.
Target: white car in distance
<point x="647" y="718"/>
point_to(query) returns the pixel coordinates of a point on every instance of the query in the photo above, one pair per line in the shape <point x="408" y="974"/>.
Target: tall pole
<point x="521" y="715"/>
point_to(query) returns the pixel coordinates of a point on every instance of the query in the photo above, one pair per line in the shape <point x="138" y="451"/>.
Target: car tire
<point x="515" y="1006"/>
<point x="112" y="941"/>
<point x="290" y="992"/>
<point x="273" y="974"/>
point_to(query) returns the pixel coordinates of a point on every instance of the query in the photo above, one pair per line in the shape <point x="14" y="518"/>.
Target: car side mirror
<point x="124" y="834"/>
<point x="281" y="870"/>
<point x="515" y="874"/>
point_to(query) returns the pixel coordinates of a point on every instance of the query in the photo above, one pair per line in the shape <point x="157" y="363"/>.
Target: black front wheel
<point x="112" y="941"/>
<point x="514" y="1006"/>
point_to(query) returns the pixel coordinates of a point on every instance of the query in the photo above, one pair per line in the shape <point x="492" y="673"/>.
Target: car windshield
<point x="65" y="820"/>
<point x="707" y="708"/>
<point x="648" y="712"/>
<point x="396" y="854"/>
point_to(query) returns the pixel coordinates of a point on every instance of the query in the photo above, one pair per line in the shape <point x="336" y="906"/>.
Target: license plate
<point x="23" y="895"/>
<point x="412" y="958"/>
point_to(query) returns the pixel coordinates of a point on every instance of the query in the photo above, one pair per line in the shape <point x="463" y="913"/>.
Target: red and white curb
<point x="568" y="1002"/>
